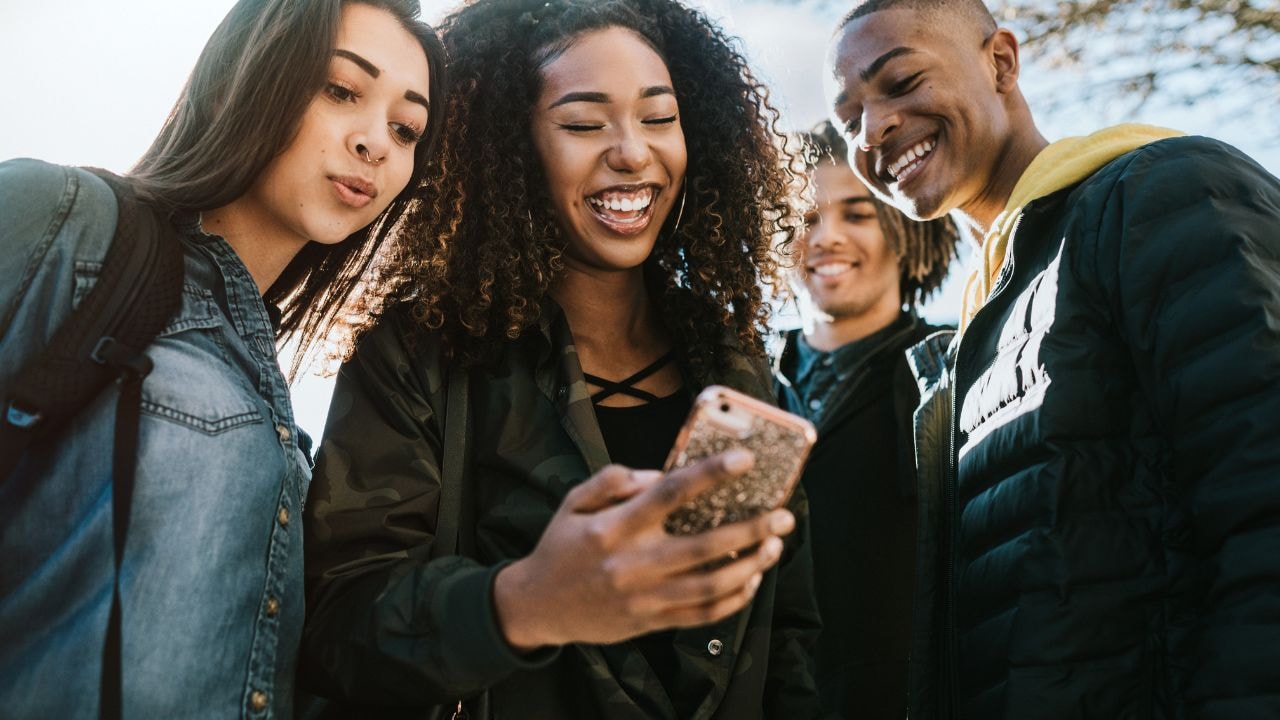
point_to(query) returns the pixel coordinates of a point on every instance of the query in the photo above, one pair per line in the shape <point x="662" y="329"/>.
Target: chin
<point x="333" y="234"/>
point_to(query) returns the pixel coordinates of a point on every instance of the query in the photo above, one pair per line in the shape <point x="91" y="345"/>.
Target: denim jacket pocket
<point x="193" y="382"/>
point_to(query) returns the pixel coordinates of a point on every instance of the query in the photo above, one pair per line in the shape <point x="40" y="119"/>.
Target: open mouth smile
<point x="624" y="209"/>
<point x="908" y="162"/>
<point x="832" y="268"/>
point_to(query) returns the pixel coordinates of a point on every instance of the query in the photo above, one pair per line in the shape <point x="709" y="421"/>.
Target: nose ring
<point x="364" y="155"/>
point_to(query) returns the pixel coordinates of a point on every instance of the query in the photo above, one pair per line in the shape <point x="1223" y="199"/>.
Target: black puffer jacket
<point x="1107" y="515"/>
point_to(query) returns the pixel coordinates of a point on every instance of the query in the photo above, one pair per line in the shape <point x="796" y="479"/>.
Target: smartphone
<point x="723" y="418"/>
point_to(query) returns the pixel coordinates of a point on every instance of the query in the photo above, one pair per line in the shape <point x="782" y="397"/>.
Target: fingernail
<point x="773" y="548"/>
<point x="782" y="522"/>
<point x="738" y="460"/>
<point x="645" y="477"/>
<point x="754" y="583"/>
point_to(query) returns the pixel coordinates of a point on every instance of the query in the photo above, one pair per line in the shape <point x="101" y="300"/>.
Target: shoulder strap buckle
<point x="113" y="353"/>
<point x="20" y="418"/>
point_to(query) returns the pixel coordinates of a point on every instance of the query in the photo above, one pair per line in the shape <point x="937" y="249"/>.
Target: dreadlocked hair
<point x="924" y="249"/>
<point x="483" y="247"/>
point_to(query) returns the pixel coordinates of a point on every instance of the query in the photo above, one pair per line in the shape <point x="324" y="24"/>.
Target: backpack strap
<point x="138" y="290"/>
<point x="454" y="465"/>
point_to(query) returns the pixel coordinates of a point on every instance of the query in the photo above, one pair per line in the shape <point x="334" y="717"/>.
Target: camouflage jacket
<point x="387" y="625"/>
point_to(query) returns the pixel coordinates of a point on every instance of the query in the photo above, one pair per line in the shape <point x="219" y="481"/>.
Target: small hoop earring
<point x="684" y="193"/>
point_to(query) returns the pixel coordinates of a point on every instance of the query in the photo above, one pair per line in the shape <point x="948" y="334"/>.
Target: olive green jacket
<point x="389" y="625"/>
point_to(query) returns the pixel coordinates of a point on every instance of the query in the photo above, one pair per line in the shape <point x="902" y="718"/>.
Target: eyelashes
<point x="660" y="121"/>
<point x="406" y="134"/>
<point x="341" y="93"/>
<point x="589" y="127"/>
<point x="403" y="133"/>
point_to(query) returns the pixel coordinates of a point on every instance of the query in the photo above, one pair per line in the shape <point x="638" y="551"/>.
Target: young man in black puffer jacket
<point x="1100" y="458"/>
<point x="863" y="267"/>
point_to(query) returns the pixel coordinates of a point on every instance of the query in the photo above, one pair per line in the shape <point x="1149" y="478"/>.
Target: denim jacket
<point x="212" y="572"/>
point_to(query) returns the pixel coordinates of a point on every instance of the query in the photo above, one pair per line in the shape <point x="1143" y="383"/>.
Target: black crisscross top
<point x="609" y="388"/>
<point x="639" y="436"/>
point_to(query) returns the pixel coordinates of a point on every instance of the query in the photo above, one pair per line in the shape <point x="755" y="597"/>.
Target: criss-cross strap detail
<point x="609" y="388"/>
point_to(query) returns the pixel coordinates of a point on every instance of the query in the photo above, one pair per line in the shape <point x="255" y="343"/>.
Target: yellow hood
<point x="1060" y="165"/>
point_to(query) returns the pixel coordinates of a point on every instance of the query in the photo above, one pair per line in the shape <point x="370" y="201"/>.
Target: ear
<point x="1002" y="48"/>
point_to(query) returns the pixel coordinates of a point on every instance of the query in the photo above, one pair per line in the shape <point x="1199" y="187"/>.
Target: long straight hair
<point x="242" y="106"/>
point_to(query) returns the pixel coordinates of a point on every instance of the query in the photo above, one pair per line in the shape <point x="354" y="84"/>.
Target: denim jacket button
<point x="283" y="517"/>
<point x="715" y="647"/>
<point x="258" y="700"/>
<point x="273" y="607"/>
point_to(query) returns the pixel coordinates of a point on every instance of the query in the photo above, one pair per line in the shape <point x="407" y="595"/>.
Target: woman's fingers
<point x="695" y="615"/>
<point x="652" y="506"/>
<point x="612" y="485"/>
<point x="707" y="586"/>
<point x="686" y="553"/>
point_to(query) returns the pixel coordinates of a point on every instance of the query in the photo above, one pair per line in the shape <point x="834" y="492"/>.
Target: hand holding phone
<point x="723" y="418"/>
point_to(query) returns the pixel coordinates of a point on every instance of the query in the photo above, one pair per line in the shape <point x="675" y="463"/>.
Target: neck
<point x="830" y="332"/>
<point x="264" y="253"/>
<point x="1007" y="169"/>
<point x="614" y="326"/>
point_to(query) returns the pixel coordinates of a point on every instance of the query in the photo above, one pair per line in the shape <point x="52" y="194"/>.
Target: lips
<point x="354" y="191"/>
<point x="625" y="209"/>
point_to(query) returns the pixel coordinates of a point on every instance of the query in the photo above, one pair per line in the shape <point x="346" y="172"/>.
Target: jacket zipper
<point x="950" y="513"/>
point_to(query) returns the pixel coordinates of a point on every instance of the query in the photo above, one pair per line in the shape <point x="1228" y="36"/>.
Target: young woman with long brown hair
<point x="287" y="161"/>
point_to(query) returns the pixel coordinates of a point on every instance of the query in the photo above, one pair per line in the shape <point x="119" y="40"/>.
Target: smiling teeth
<point x="831" y="269"/>
<point x="908" y="160"/>
<point x="619" y="202"/>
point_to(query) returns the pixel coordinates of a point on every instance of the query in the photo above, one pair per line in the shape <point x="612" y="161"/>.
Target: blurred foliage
<point x="1135" y="51"/>
<point x="1122" y="55"/>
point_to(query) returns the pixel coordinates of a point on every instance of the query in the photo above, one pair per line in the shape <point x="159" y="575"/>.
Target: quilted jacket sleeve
<point x="1197" y="288"/>
<point x="386" y="624"/>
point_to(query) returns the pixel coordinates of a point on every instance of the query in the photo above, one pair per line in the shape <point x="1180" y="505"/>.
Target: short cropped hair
<point x="972" y="11"/>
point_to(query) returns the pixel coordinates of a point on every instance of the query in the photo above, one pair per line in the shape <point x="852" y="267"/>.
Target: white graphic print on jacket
<point x="1015" y="383"/>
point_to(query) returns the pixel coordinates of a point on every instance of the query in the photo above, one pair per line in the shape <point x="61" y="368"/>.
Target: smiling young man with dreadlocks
<point x="863" y="267"/>
<point x="1099" y="460"/>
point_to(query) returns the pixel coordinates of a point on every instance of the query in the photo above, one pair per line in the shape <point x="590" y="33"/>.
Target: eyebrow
<point x="880" y="62"/>
<point x="374" y="72"/>
<point x="414" y="97"/>
<point x="876" y="66"/>
<point x="599" y="97"/>
<point x="855" y="199"/>
<point x="364" y="64"/>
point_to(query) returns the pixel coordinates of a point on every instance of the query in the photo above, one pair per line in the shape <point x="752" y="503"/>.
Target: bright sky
<point x="90" y="82"/>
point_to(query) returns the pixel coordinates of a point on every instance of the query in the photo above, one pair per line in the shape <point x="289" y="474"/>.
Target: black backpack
<point x="101" y="342"/>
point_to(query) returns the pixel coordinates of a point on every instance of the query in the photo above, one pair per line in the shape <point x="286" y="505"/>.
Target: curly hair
<point x="480" y="253"/>
<point x="924" y="249"/>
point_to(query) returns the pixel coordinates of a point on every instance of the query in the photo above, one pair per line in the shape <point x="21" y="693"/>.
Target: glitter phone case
<point x="723" y="418"/>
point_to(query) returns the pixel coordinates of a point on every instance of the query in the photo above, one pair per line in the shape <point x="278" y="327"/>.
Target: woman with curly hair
<point x="590" y="257"/>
